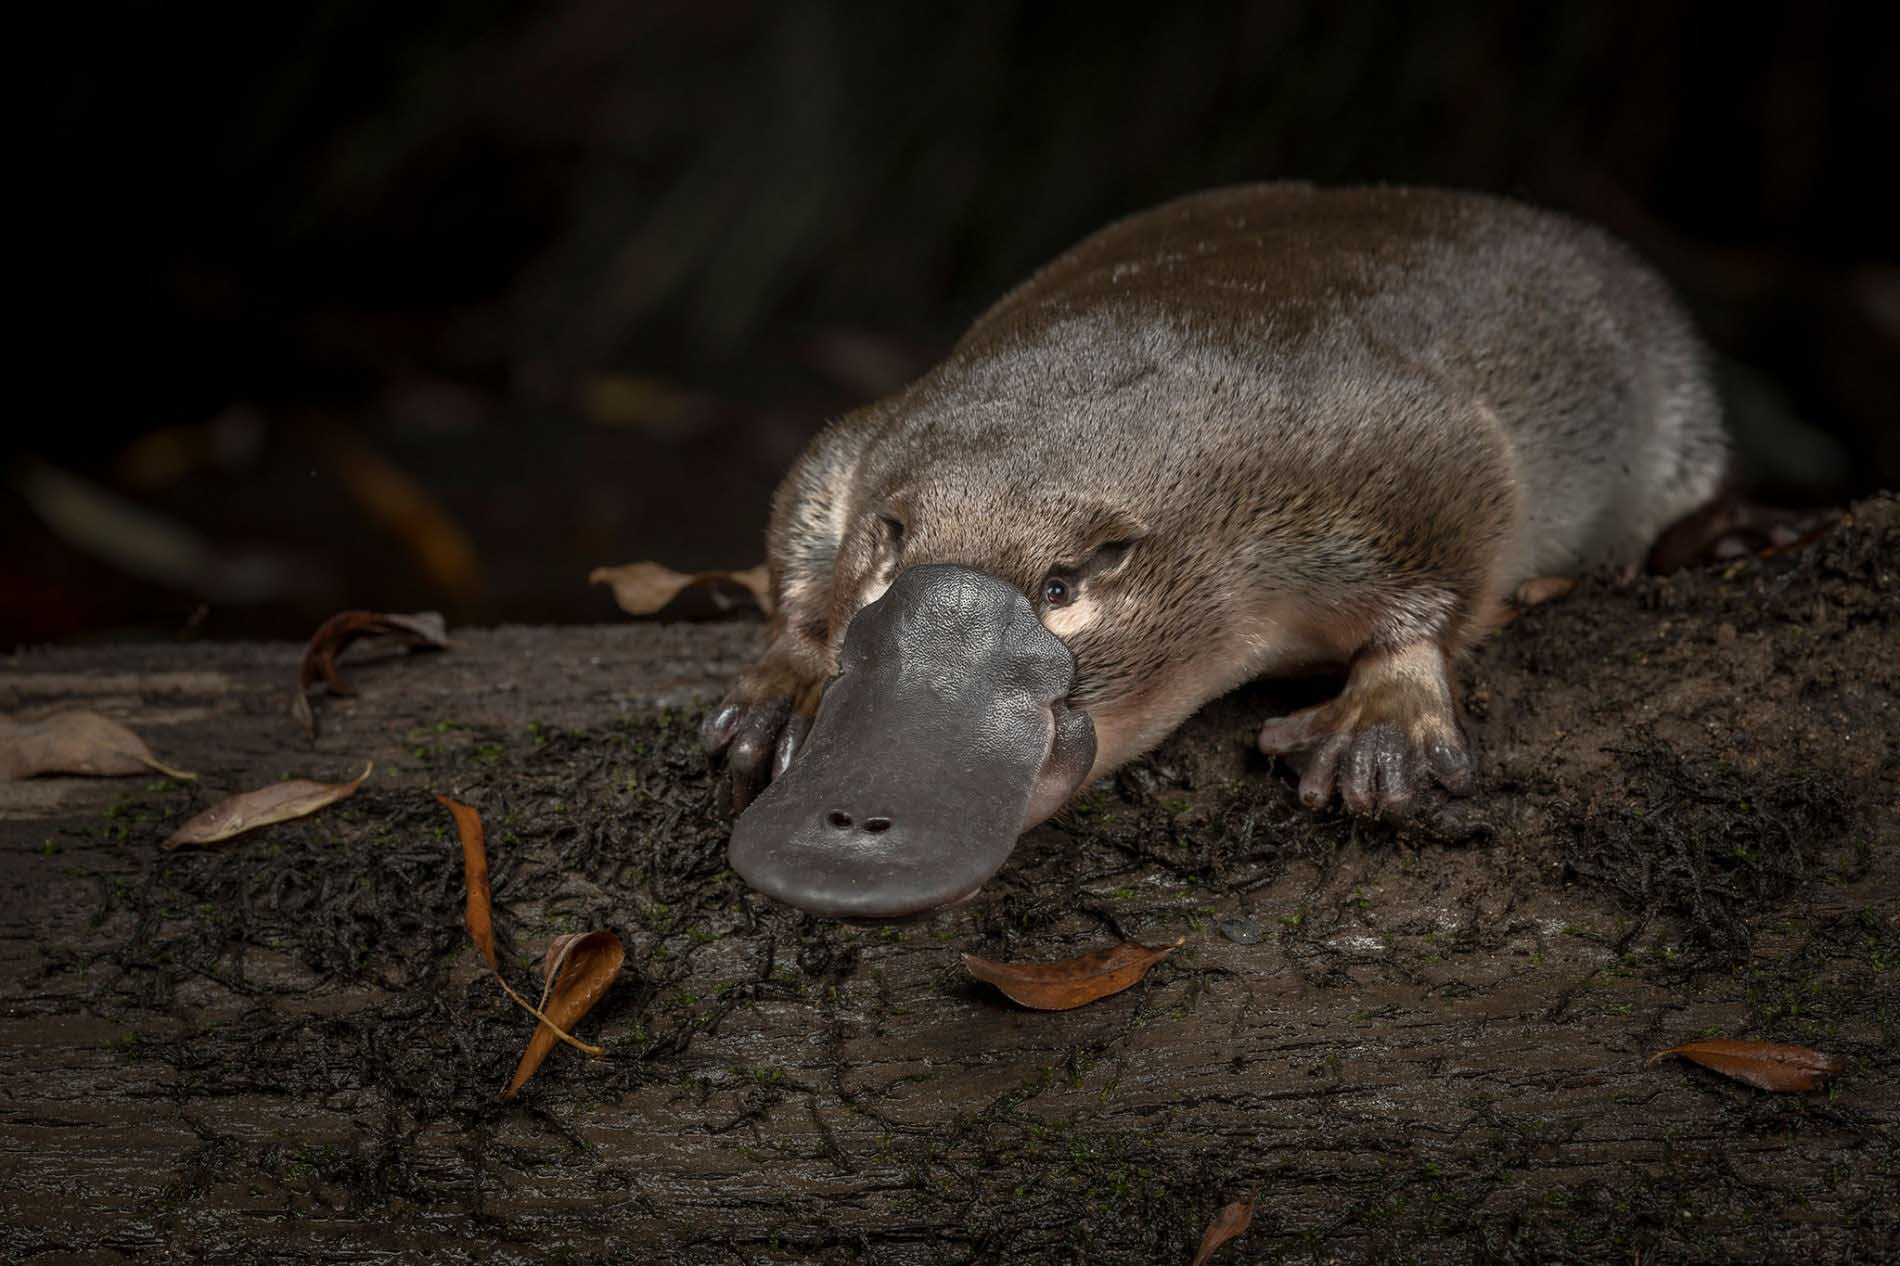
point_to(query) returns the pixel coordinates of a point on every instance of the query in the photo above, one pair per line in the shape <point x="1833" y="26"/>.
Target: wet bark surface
<point x="1409" y="1044"/>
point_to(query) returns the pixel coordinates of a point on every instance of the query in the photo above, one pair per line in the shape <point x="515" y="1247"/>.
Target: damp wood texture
<point x="1420" y="1045"/>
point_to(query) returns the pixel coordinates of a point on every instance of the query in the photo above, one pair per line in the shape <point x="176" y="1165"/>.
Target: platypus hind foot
<point x="1392" y="730"/>
<point x="1732" y="526"/>
<point x="759" y="726"/>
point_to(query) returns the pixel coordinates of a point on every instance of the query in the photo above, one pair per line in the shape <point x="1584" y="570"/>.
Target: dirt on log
<point x="1420" y="1044"/>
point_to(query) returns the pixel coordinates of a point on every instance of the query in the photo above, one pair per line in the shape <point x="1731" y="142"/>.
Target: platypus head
<point x="945" y="735"/>
<point x="1013" y="612"/>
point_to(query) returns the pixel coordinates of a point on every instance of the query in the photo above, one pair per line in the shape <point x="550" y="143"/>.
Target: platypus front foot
<point x="1392" y="731"/>
<point x="759" y="725"/>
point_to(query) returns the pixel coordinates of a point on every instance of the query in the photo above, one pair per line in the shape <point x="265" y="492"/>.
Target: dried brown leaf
<point x="1228" y="1223"/>
<point x="248" y="810"/>
<point x="1072" y="982"/>
<point x="641" y="588"/>
<point x="75" y="743"/>
<point x="756" y="581"/>
<point x="424" y="630"/>
<point x="1764" y="1065"/>
<point x="580" y="967"/>
<point x="477" y="916"/>
<point x="644" y="588"/>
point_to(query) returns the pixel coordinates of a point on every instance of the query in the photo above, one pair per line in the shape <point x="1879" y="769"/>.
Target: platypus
<point x="1261" y="430"/>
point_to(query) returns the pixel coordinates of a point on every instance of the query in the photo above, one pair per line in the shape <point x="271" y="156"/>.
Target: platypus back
<point x="1254" y="431"/>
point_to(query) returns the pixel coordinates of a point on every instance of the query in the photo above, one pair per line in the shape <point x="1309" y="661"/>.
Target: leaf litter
<point x="577" y="970"/>
<point x="424" y="630"/>
<point x="644" y="588"/>
<point x="1765" y="1065"/>
<point x="1074" y="982"/>
<point x="1227" y="1224"/>
<point x="76" y="743"/>
<point x="476" y="916"/>
<point x="248" y="810"/>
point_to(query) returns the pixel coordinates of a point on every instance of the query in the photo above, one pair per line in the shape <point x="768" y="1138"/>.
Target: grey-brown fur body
<point x="1258" y="430"/>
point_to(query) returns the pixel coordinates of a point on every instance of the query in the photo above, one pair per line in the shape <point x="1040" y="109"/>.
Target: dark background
<point x="441" y="305"/>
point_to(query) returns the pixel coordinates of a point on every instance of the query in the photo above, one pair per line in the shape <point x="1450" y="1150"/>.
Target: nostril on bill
<point x="877" y="826"/>
<point x="839" y="819"/>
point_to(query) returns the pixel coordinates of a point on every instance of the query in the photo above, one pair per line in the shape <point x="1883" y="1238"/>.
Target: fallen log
<point x="1419" y="1043"/>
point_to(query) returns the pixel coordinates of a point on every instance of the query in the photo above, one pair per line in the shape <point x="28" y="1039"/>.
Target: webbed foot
<point x="1390" y="734"/>
<point x="760" y="724"/>
<point x="1733" y="526"/>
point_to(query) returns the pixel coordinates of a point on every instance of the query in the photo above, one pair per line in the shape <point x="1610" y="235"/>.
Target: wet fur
<point x="1335" y="425"/>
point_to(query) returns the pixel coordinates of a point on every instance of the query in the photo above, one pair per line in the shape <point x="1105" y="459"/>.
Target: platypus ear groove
<point x="1106" y="558"/>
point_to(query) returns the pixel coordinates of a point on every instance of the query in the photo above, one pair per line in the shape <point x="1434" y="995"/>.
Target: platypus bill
<point x="1255" y="431"/>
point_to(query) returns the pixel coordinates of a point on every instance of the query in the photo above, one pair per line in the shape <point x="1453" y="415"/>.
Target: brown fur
<point x="1327" y="426"/>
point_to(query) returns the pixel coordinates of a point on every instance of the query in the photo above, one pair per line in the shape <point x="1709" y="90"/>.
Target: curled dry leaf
<point x="1073" y="982"/>
<point x="423" y="630"/>
<point x="643" y="588"/>
<point x="578" y="970"/>
<point x="579" y="967"/>
<point x="1765" y="1065"/>
<point x="75" y="743"/>
<point x="1228" y="1223"/>
<point x="476" y="916"/>
<point x="248" y="810"/>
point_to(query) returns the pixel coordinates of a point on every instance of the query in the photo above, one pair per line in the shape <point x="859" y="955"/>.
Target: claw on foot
<point x="796" y="727"/>
<point x="757" y="729"/>
<point x="716" y="731"/>
<point x="749" y="756"/>
<point x="1732" y="526"/>
<point x="1391" y="733"/>
<point x="1541" y="589"/>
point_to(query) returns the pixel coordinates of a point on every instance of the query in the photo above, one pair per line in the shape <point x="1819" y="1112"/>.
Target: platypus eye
<point x="893" y="530"/>
<point x="1057" y="592"/>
